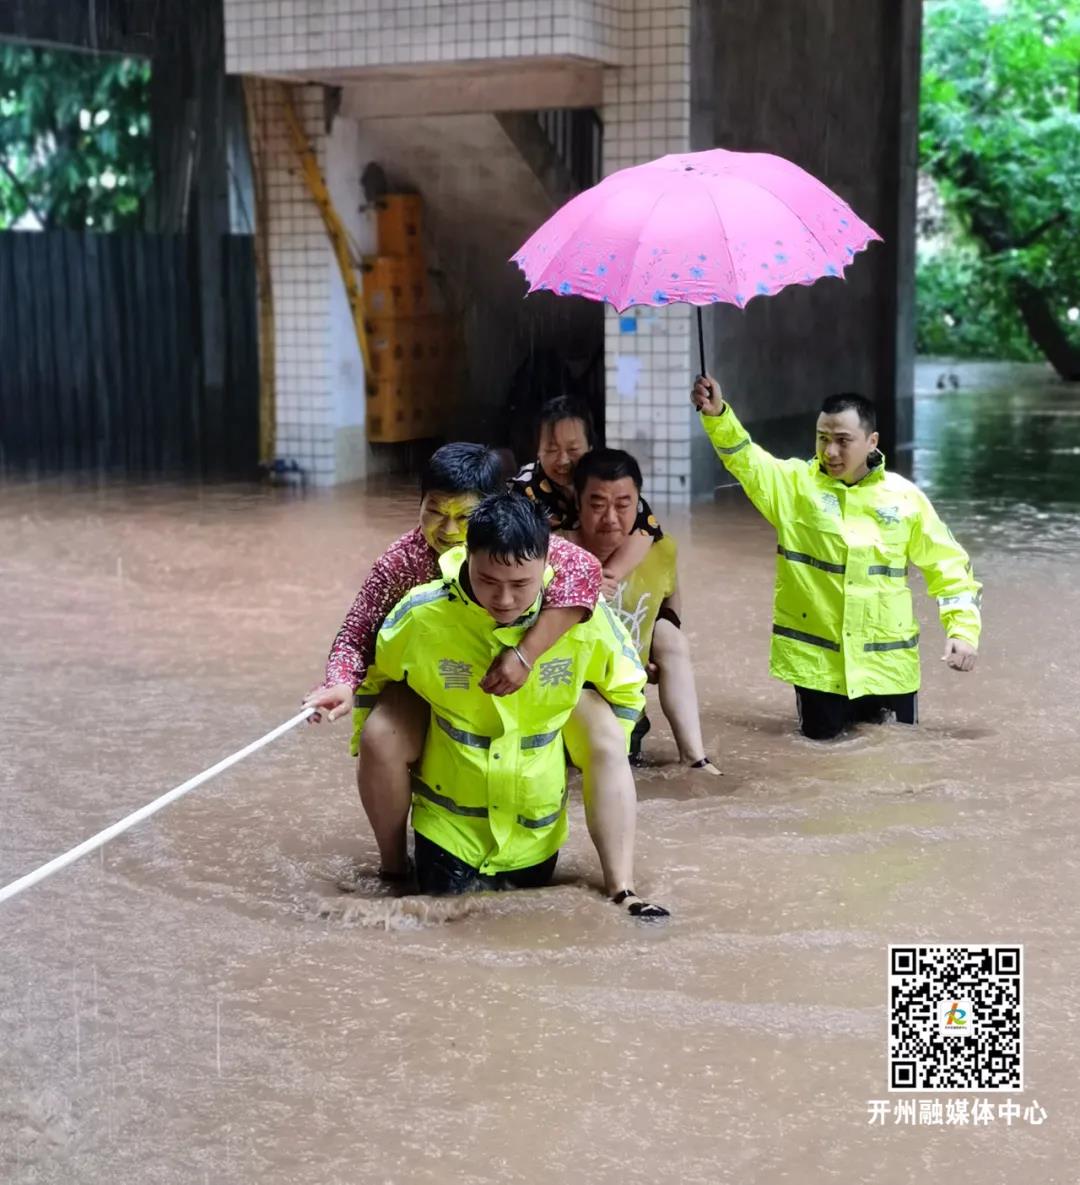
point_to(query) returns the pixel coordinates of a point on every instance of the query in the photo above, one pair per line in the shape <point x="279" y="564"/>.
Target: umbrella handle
<point x="701" y="340"/>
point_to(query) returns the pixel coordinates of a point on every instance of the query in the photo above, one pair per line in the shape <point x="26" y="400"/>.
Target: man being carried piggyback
<point x="489" y="799"/>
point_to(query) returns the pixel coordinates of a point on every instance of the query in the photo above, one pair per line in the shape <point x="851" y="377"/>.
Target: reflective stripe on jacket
<point x="492" y="777"/>
<point x="842" y="618"/>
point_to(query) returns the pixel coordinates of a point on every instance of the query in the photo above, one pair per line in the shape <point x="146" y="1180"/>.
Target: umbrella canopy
<point x="698" y="228"/>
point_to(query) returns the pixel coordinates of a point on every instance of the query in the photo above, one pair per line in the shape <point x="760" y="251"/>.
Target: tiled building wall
<point x="646" y="113"/>
<point x="281" y="36"/>
<point x="301" y="265"/>
<point x="649" y="351"/>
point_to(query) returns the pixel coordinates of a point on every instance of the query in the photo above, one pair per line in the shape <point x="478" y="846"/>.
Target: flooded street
<point x="175" y="1009"/>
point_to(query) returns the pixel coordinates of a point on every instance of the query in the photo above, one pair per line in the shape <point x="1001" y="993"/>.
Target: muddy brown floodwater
<point x="176" y="1010"/>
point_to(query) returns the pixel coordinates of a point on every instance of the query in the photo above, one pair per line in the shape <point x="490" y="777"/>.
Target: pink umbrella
<point x="696" y="227"/>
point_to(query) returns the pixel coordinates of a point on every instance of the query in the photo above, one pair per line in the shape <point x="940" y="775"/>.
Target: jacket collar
<point x="452" y="565"/>
<point x="876" y="473"/>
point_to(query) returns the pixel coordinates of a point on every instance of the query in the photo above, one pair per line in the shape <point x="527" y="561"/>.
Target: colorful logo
<point x="956" y="1016"/>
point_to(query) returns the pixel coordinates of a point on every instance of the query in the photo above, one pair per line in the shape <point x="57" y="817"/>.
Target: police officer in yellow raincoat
<point x="489" y="801"/>
<point x="844" y="632"/>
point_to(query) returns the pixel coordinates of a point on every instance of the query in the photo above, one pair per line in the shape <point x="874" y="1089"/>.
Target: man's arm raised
<point x="758" y="472"/>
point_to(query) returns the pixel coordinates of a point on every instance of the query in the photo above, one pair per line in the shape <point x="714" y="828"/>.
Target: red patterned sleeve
<point x="577" y="577"/>
<point x="403" y="566"/>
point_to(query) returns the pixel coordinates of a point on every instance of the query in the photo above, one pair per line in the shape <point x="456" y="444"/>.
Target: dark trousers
<point x="823" y="715"/>
<point x="440" y="873"/>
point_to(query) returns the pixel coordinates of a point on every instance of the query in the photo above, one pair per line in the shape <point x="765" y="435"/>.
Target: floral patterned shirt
<point x="409" y="562"/>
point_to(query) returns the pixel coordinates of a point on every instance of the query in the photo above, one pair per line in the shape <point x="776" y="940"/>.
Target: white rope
<point x="103" y="837"/>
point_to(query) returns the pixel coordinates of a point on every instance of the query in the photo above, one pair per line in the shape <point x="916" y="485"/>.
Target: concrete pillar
<point x="833" y="86"/>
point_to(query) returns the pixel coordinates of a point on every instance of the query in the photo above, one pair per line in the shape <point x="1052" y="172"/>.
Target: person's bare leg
<point x="678" y="692"/>
<point x="597" y="746"/>
<point x="392" y="740"/>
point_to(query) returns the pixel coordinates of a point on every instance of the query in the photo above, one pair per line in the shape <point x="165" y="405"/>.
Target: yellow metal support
<point x="313" y="179"/>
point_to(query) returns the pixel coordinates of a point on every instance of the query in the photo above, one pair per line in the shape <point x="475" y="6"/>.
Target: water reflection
<point x="1000" y="457"/>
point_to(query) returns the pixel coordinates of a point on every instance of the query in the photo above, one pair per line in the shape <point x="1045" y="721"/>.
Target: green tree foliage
<point x="965" y="310"/>
<point x="74" y="138"/>
<point x="1000" y="134"/>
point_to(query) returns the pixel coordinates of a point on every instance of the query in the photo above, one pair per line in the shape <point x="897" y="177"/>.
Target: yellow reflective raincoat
<point x="842" y="618"/>
<point x="492" y="776"/>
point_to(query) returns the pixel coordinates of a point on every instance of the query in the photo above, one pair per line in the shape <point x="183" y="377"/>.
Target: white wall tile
<point x="367" y="32"/>
<point x="647" y="114"/>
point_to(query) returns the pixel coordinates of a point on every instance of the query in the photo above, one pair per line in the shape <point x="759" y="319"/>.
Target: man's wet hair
<point x="462" y="468"/>
<point x="565" y="407"/>
<point x="510" y="528"/>
<point x="606" y="464"/>
<point x="836" y="405"/>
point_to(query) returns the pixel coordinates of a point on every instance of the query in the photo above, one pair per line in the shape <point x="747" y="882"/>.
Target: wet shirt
<point x="411" y="561"/>
<point x="639" y="597"/>
<point x="562" y="511"/>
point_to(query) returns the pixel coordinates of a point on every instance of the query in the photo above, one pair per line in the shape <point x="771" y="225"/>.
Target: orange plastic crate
<point x="400" y="411"/>
<point x="407" y="347"/>
<point x="398" y="224"/>
<point x="395" y="287"/>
